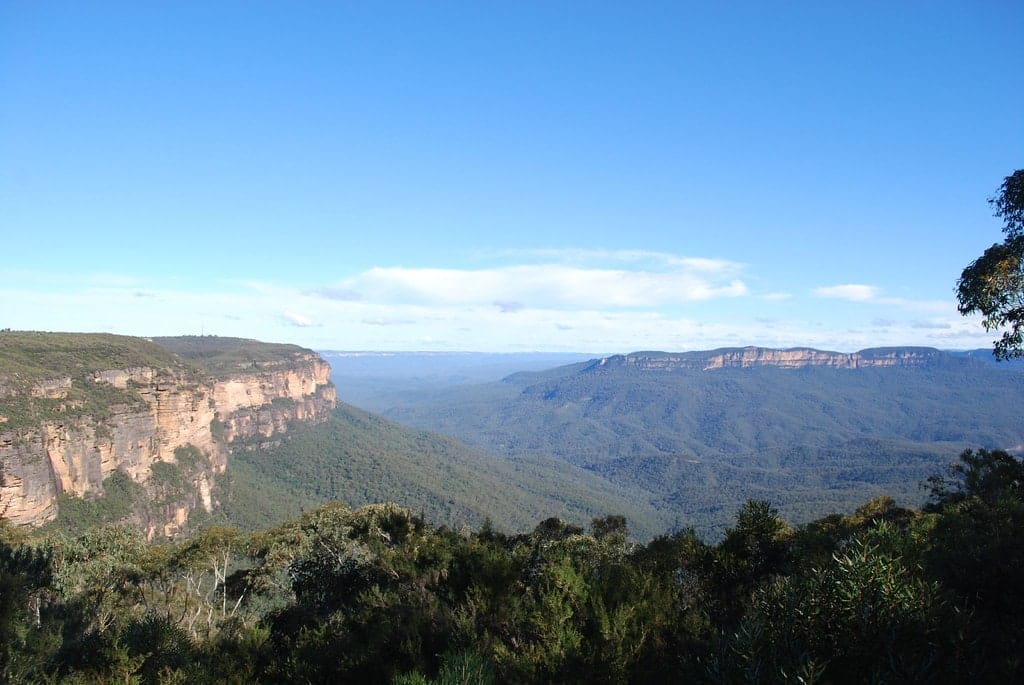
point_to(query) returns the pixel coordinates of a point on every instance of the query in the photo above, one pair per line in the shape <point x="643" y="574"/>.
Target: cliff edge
<point x="794" y="358"/>
<point x="76" y="409"/>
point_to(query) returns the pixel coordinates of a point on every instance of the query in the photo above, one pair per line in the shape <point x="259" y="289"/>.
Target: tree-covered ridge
<point x="699" y="443"/>
<point x="225" y="356"/>
<point x="47" y="375"/>
<point x="375" y="594"/>
<point x="27" y="357"/>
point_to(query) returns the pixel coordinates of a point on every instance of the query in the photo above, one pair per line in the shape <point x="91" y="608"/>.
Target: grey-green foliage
<point x="977" y="550"/>
<point x="169" y="481"/>
<point x="457" y="668"/>
<point x="860" y="617"/>
<point x="120" y="497"/>
<point x="225" y="356"/>
<point x="175" y="481"/>
<point x="27" y="358"/>
<point x="217" y="430"/>
<point x="375" y="594"/>
<point x="25" y="575"/>
<point x="99" y="567"/>
<point x="993" y="284"/>
<point x="983" y="475"/>
<point x="190" y="457"/>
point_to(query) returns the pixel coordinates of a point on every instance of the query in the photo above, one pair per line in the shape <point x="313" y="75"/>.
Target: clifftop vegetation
<point x="223" y="356"/>
<point x="27" y="357"/>
<point x="47" y="375"/>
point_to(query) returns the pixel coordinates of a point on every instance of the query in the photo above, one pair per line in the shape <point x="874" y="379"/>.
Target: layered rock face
<point x="73" y="449"/>
<point x="749" y="357"/>
<point x="263" y="401"/>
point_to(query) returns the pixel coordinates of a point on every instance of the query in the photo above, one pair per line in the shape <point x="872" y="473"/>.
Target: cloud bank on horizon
<point x="547" y="300"/>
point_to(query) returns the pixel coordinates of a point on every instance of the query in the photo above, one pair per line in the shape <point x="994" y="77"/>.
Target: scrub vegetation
<point x="377" y="594"/>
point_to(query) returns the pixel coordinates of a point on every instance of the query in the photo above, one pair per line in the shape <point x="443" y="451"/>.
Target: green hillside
<point x="360" y="458"/>
<point x="222" y="356"/>
<point x="30" y="356"/>
<point x="812" y="440"/>
<point x="27" y="357"/>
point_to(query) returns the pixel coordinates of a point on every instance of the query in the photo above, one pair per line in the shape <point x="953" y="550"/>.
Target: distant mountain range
<point x="792" y="358"/>
<point x="700" y="432"/>
<point x="243" y="432"/>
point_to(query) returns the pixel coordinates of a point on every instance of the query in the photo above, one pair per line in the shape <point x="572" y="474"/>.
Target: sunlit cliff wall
<point x="75" y="452"/>
<point x="749" y="357"/>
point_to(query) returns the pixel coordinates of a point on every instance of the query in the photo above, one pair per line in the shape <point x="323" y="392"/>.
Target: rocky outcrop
<point x="796" y="358"/>
<point x="74" y="447"/>
<point x="262" y="402"/>
<point x="74" y="455"/>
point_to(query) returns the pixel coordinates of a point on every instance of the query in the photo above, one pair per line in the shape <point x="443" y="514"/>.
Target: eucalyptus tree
<point x="993" y="284"/>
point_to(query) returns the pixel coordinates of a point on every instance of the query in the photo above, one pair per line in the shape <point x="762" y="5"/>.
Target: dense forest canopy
<point x="376" y="594"/>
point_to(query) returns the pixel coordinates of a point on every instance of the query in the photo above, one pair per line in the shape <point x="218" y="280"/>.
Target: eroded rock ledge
<point x="68" y="433"/>
<point x="796" y="358"/>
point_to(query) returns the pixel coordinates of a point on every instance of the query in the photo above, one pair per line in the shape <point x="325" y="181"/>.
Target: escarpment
<point x="76" y="409"/>
<point x="262" y="401"/>
<point x="795" y="358"/>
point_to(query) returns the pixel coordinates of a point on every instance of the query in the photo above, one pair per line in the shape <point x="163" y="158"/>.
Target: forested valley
<point x="511" y="343"/>
<point x="378" y="594"/>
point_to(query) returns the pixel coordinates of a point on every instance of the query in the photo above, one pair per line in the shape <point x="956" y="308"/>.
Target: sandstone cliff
<point x="796" y="358"/>
<point x="69" y="432"/>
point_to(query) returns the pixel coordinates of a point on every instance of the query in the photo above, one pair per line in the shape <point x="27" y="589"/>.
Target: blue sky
<point x="562" y="176"/>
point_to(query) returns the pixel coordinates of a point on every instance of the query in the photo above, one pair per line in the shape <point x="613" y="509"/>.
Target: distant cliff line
<point x="791" y="358"/>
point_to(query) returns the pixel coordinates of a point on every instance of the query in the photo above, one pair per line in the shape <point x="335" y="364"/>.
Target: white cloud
<point x="870" y="294"/>
<point x="297" y="319"/>
<point x="383" y="321"/>
<point x="544" y="285"/>
<point x="591" y="256"/>
<point x="670" y="303"/>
